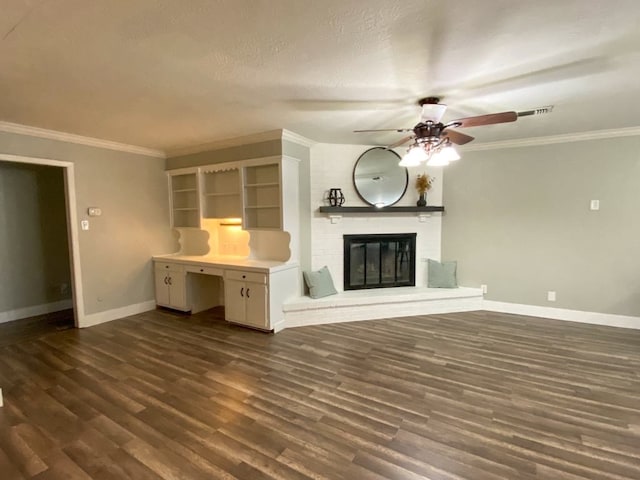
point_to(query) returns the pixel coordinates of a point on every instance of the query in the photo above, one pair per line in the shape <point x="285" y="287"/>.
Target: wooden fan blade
<point x="399" y="130"/>
<point x="489" y="119"/>
<point x="400" y="142"/>
<point x="456" y="137"/>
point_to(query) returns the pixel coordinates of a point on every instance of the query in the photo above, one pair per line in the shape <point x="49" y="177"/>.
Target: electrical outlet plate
<point x="84" y="224"/>
<point x="484" y="288"/>
<point x="94" y="211"/>
<point x="594" y="205"/>
<point x="551" y="296"/>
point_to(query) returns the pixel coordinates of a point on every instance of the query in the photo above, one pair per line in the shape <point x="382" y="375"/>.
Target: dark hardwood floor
<point x="34" y="327"/>
<point x="459" y="396"/>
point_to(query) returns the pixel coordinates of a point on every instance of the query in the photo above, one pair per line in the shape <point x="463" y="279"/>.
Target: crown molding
<point x="226" y="143"/>
<point x="566" y="138"/>
<point x="9" y="127"/>
<point x="293" y="137"/>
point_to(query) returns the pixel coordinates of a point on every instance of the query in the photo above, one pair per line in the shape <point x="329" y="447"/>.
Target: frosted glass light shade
<point x="449" y="153"/>
<point x="413" y="157"/>
<point x="437" y="160"/>
<point x="432" y="112"/>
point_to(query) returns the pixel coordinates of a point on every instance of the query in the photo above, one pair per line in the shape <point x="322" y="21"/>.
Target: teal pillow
<point x="320" y="283"/>
<point x="442" y="274"/>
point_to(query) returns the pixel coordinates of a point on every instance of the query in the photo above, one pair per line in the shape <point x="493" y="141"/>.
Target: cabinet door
<point x="234" y="301"/>
<point x="256" y="305"/>
<point x="162" y="288"/>
<point x="177" y="290"/>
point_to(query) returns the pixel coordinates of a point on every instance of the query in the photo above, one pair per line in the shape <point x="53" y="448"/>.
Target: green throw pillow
<point x="320" y="283"/>
<point x="442" y="274"/>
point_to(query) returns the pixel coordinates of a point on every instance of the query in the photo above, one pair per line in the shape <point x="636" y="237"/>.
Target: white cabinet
<point x="221" y="193"/>
<point x="171" y="291"/>
<point x="246" y="298"/>
<point x="270" y="194"/>
<point x="184" y="198"/>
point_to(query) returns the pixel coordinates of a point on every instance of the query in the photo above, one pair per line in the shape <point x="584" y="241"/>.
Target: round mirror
<point x="378" y="178"/>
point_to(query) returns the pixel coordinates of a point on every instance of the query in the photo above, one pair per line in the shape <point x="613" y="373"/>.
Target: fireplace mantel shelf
<point x="371" y="209"/>
<point x="336" y="213"/>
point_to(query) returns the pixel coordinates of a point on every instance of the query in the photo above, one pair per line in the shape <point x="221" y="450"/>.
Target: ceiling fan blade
<point x="400" y="142"/>
<point x="399" y="130"/>
<point x="489" y="119"/>
<point x="456" y="137"/>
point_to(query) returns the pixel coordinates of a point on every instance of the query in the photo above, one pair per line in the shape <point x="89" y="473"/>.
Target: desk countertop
<point x="226" y="261"/>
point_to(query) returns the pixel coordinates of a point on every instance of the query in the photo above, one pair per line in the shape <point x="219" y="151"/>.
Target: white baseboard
<point x="26" y="312"/>
<point x="595" y="318"/>
<point x="108" y="315"/>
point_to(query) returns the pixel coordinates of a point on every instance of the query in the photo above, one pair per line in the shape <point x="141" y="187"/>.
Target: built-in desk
<point x="252" y="291"/>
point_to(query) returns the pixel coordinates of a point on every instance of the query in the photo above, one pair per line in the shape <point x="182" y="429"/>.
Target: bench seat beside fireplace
<point x="355" y="305"/>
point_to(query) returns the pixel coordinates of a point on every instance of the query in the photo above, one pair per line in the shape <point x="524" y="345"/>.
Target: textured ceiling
<point x="167" y="74"/>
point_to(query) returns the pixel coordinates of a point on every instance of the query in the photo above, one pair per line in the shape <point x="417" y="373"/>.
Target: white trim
<point x="293" y="137"/>
<point x="226" y="143"/>
<point x="569" y="137"/>
<point x="78" y="139"/>
<point x="33" y="310"/>
<point x="1" y="400"/>
<point x="117" y="313"/>
<point x="595" y="318"/>
<point x="72" y="226"/>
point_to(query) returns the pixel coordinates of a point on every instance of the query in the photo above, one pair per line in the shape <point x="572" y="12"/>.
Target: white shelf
<point x="269" y="184"/>
<point x="222" y="194"/>
<point x="184" y="190"/>
<point x="185" y="209"/>
<point x="255" y="207"/>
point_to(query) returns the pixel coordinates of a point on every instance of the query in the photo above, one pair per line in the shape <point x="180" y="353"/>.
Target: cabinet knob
<point x="202" y="269"/>
<point x="244" y="276"/>
<point x="166" y="266"/>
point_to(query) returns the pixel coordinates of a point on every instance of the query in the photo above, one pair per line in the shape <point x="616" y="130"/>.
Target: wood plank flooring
<point x="459" y="396"/>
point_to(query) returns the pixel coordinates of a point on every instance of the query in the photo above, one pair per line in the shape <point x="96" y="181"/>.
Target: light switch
<point x="84" y="224"/>
<point x="94" y="211"/>
<point x="595" y="205"/>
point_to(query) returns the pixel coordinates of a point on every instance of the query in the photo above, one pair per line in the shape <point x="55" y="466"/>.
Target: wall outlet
<point x="84" y="224"/>
<point x="594" y="205"/>
<point x="94" y="211"/>
<point x="484" y="288"/>
<point x="551" y="296"/>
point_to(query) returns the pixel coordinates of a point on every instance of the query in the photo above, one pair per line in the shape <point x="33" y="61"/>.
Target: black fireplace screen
<point x="379" y="261"/>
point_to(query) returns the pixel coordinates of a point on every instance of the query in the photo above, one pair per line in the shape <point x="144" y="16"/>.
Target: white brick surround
<point x="332" y="167"/>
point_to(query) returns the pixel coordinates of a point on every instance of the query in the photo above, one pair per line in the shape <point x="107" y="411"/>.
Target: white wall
<point x="332" y="167"/>
<point x="519" y="221"/>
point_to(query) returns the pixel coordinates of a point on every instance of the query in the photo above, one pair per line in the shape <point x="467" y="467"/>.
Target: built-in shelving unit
<point x="221" y="194"/>
<point x="185" y="208"/>
<point x="262" y="198"/>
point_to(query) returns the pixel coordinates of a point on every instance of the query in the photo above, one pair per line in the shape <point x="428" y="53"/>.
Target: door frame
<point x="72" y="226"/>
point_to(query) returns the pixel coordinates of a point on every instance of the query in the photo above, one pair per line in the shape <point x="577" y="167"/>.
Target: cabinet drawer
<point x="169" y="266"/>
<point x="205" y="270"/>
<point x="254" y="277"/>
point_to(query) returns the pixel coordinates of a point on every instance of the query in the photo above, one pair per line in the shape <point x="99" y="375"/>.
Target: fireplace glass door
<point x="379" y="261"/>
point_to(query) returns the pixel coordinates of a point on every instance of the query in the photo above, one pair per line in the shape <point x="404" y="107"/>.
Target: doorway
<point x="55" y="286"/>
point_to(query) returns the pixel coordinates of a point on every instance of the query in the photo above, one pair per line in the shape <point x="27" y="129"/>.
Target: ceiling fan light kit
<point x="432" y="139"/>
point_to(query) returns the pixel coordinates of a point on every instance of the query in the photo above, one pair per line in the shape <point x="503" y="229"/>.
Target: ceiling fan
<point x="432" y="139"/>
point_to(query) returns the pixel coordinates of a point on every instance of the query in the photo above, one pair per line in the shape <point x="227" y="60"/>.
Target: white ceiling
<point x="167" y="74"/>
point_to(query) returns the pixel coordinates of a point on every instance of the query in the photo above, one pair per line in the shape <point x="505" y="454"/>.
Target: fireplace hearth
<point x="379" y="260"/>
